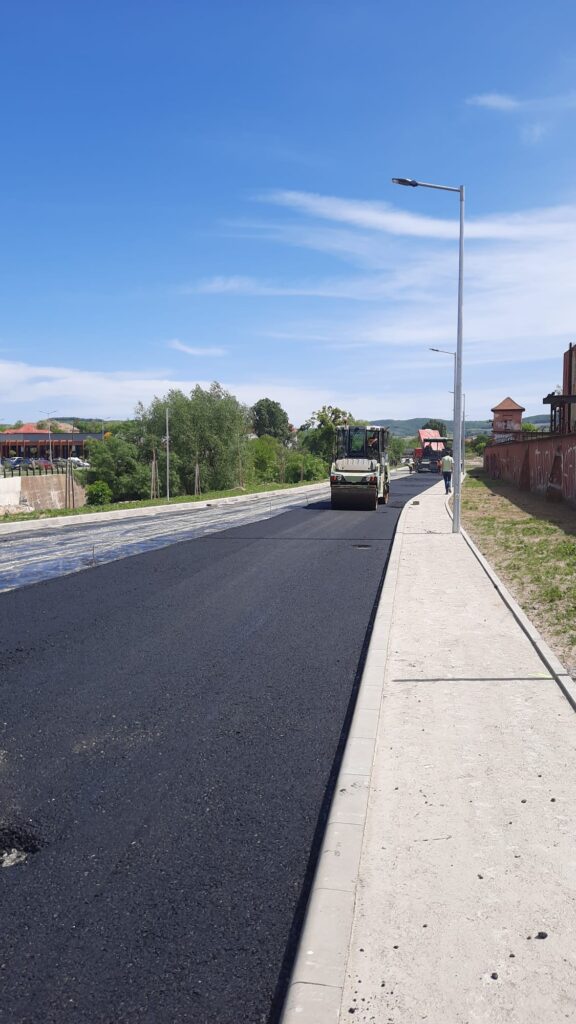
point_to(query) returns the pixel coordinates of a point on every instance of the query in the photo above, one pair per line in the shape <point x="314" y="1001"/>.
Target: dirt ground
<point x="531" y="543"/>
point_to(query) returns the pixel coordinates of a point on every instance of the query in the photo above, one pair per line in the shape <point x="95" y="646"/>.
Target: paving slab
<point x="465" y="901"/>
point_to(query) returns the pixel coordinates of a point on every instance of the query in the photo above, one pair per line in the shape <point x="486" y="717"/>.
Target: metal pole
<point x="167" y="456"/>
<point x="458" y="379"/>
<point x="457" y="445"/>
<point x="463" y="432"/>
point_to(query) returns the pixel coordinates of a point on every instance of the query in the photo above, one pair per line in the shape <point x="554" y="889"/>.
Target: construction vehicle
<point x="359" y="475"/>
<point x="430" y="451"/>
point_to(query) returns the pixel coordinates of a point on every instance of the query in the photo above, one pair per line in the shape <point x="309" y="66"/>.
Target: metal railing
<point x="11" y="471"/>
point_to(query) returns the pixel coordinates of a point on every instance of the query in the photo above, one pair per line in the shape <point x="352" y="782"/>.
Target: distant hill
<point x="408" y="428"/>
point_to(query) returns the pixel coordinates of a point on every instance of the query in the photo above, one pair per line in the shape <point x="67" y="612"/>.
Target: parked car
<point x="16" y="461"/>
<point x="78" y="463"/>
<point x="43" y="464"/>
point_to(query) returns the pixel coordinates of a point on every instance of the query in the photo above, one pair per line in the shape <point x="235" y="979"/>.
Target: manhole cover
<point x="16" y="845"/>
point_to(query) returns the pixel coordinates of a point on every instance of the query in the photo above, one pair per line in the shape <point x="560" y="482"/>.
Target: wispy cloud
<point x="359" y="288"/>
<point x="388" y="219"/>
<point x="538" y="115"/>
<point x="511" y="104"/>
<point x="192" y="350"/>
<point x="495" y="101"/>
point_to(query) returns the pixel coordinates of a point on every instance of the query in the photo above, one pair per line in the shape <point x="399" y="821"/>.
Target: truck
<point x="360" y="474"/>
<point x="430" y="451"/>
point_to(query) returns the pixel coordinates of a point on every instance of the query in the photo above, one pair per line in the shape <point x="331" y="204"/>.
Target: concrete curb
<point x="544" y="652"/>
<point x="316" y="986"/>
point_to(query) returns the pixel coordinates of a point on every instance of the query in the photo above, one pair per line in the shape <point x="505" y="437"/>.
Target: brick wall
<point x="546" y="465"/>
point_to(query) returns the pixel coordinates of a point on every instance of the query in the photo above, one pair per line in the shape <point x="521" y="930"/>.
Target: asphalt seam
<point x="316" y="987"/>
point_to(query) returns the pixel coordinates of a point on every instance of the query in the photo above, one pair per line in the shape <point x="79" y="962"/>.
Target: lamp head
<point x="405" y="181"/>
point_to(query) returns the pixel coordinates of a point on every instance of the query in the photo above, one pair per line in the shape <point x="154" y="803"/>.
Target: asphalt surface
<point x="62" y="546"/>
<point x="171" y="727"/>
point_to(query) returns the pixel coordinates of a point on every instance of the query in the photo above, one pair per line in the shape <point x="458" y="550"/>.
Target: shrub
<point x="98" y="493"/>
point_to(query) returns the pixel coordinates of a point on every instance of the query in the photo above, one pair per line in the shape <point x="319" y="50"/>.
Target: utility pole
<point x="167" y="455"/>
<point x="48" y="413"/>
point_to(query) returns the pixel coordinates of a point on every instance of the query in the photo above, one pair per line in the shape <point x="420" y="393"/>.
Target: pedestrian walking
<point x="447" y="467"/>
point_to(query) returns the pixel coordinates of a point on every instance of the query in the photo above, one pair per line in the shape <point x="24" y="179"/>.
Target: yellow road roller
<point x="359" y="475"/>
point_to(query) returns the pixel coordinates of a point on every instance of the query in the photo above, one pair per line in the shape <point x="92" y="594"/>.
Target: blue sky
<point x="196" y="191"/>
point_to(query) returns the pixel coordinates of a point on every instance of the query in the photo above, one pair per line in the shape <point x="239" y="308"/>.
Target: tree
<point x="116" y="463"/>
<point x="302" y="465"/>
<point x="319" y="433"/>
<point x="479" y="443"/>
<point x="265" y="452"/>
<point x="529" y="428"/>
<point x="269" y="418"/>
<point x="396" y="448"/>
<point x="208" y="438"/>
<point x="436" y="425"/>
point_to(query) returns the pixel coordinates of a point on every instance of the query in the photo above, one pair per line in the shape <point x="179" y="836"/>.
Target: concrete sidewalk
<point x="446" y="889"/>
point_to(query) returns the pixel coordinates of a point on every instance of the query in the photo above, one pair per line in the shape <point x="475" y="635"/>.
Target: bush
<point x="302" y="465"/>
<point x="98" y="493"/>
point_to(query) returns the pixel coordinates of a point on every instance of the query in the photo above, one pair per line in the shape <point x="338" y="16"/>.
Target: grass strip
<point x="531" y="543"/>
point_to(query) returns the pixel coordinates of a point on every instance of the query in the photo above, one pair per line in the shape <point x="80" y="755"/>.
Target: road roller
<point x="359" y="475"/>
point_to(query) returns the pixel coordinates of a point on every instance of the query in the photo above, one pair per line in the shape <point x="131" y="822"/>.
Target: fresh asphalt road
<point x="171" y="726"/>
<point x="50" y="548"/>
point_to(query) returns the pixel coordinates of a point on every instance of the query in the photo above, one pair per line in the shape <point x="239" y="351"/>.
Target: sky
<point x="201" y="190"/>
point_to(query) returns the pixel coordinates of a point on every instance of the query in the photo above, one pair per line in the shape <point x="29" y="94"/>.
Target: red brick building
<point x="507" y="417"/>
<point x="544" y="462"/>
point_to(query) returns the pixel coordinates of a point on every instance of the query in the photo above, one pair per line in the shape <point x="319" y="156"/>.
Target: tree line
<point x="216" y="443"/>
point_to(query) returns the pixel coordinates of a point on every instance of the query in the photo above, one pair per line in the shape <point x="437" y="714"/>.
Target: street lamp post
<point x="412" y="183"/>
<point x="48" y="413"/>
<point x="167" y="455"/>
<point x="449" y="352"/>
<point x="463" y="429"/>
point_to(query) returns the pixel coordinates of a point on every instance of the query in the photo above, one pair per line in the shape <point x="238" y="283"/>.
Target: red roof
<point x="26" y="428"/>
<point x="508" y="404"/>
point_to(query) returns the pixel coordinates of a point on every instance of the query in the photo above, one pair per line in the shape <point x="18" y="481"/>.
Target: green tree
<point x="270" y="418"/>
<point x="265" y="453"/>
<point x="303" y="466"/>
<point x="116" y="463"/>
<point x="318" y="435"/>
<point x="478" y="444"/>
<point x="529" y="428"/>
<point x="436" y="425"/>
<point x="208" y="438"/>
<point x="396" y="448"/>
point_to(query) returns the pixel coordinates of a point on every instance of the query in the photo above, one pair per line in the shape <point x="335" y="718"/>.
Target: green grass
<point x="532" y="545"/>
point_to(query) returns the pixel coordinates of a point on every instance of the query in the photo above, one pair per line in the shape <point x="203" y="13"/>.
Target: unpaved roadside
<point x="531" y="543"/>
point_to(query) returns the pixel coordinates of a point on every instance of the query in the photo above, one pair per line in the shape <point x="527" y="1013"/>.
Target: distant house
<point x="507" y="418"/>
<point x="543" y="461"/>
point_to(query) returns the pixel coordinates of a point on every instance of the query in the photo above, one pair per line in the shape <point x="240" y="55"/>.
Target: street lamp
<point x="449" y="352"/>
<point x="412" y="183"/>
<point x="48" y="413"/>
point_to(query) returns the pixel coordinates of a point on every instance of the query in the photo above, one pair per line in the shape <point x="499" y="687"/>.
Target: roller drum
<point x="361" y="499"/>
